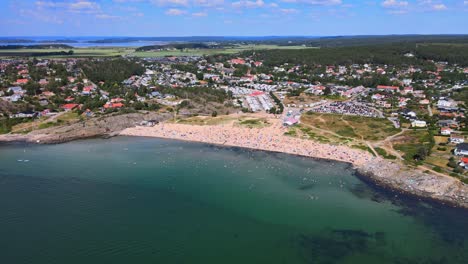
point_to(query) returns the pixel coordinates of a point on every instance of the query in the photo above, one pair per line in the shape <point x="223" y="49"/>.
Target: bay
<point x="146" y="200"/>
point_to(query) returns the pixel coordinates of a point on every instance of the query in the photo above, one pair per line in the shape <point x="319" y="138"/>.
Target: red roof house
<point x="68" y="107"/>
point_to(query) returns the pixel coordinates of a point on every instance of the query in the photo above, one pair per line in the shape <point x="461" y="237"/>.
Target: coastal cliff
<point x="400" y="177"/>
<point x="94" y="127"/>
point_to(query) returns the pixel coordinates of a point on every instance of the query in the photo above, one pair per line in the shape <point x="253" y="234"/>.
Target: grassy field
<point x="410" y="142"/>
<point x="201" y="52"/>
<point x="371" y="129"/>
<point x="130" y="51"/>
<point x="245" y="121"/>
<point x="42" y="123"/>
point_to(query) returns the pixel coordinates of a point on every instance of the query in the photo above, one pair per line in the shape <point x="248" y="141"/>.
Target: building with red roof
<point x="22" y="81"/>
<point x="69" y="107"/>
<point x="113" y="105"/>
<point x="237" y="61"/>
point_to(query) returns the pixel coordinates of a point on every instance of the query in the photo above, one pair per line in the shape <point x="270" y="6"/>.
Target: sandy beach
<point x="269" y="138"/>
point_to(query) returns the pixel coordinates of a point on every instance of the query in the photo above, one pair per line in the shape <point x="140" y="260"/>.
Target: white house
<point x="446" y="131"/>
<point x="418" y="123"/>
<point x="457" y="138"/>
<point x="461" y="149"/>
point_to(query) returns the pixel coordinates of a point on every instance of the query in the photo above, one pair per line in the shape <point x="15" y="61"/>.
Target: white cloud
<point x="200" y="14"/>
<point x="208" y="3"/>
<point x="248" y="4"/>
<point x="175" y="12"/>
<point x="107" y="16"/>
<point x="439" y="7"/>
<point x="171" y="2"/>
<point x="398" y="12"/>
<point x="315" y="2"/>
<point x="394" y="4"/>
<point x="84" y="5"/>
<point x="289" y="10"/>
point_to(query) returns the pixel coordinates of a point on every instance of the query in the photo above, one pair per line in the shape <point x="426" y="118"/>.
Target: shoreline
<point x="383" y="173"/>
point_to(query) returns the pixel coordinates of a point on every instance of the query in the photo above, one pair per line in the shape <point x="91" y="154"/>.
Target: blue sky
<point x="231" y="17"/>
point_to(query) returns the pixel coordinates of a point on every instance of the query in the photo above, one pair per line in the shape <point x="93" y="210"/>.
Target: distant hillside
<point x="40" y="46"/>
<point x="178" y="46"/>
<point x="346" y="41"/>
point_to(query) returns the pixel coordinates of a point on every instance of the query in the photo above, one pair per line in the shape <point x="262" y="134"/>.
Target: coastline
<point x="389" y="174"/>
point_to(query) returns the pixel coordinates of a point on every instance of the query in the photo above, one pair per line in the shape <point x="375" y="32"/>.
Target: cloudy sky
<point x="231" y="17"/>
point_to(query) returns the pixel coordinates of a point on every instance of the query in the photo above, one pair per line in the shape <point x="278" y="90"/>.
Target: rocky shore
<point x="399" y="177"/>
<point x="95" y="127"/>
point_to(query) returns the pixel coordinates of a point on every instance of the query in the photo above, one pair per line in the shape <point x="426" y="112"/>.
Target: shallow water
<point x="143" y="200"/>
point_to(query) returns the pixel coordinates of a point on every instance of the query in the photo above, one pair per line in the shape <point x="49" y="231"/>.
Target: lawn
<point x="371" y="129"/>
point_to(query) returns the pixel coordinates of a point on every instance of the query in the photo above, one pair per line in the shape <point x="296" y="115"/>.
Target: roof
<point x="387" y="87"/>
<point x="255" y="93"/>
<point x="462" y="146"/>
<point x="464" y="160"/>
<point x="69" y="106"/>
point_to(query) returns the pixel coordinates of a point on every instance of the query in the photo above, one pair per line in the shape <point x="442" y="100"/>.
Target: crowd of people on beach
<point x="270" y="138"/>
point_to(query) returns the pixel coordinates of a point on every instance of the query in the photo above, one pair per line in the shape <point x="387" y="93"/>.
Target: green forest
<point x="377" y="54"/>
<point x="110" y="71"/>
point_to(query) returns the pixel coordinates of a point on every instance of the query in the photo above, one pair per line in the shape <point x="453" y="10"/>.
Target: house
<point x="69" y="107"/>
<point x="387" y="88"/>
<point x="15" y="90"/>
<point x="457" y="138"/>
<point x="117" y="100"/>
<point x="461" y="149"/>
<point x="43" y="102"/>
<point x="424" y="102"/>
<point x="377" y="97"/>
<point x="87" y="113"/>
<point x="237" y="61"/>
<point x="446" y="104"/>
<point x="43" y="82"/>
<point x="418" y="123"/>
<point x="21" y="81"/>
<point x="447" y="123"/>
<point x="407" y="90"/>
<point x="408" y="114"/>
<point x="464" y="162"/>
<point x="24" y="115"/>
<point x="290" y="121"/>
<point x="87" y="90"/>
<point x="113" y="105"/>
<point x="446" y="131"/>
<point x="48" y="93"/>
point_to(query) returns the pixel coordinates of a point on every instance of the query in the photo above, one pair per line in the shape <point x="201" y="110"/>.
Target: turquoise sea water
<point x="144" y="200"/>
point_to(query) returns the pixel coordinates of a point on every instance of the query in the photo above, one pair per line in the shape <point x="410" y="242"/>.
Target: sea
<point x="79" y="42"/>
<point x="148" y="200"/>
